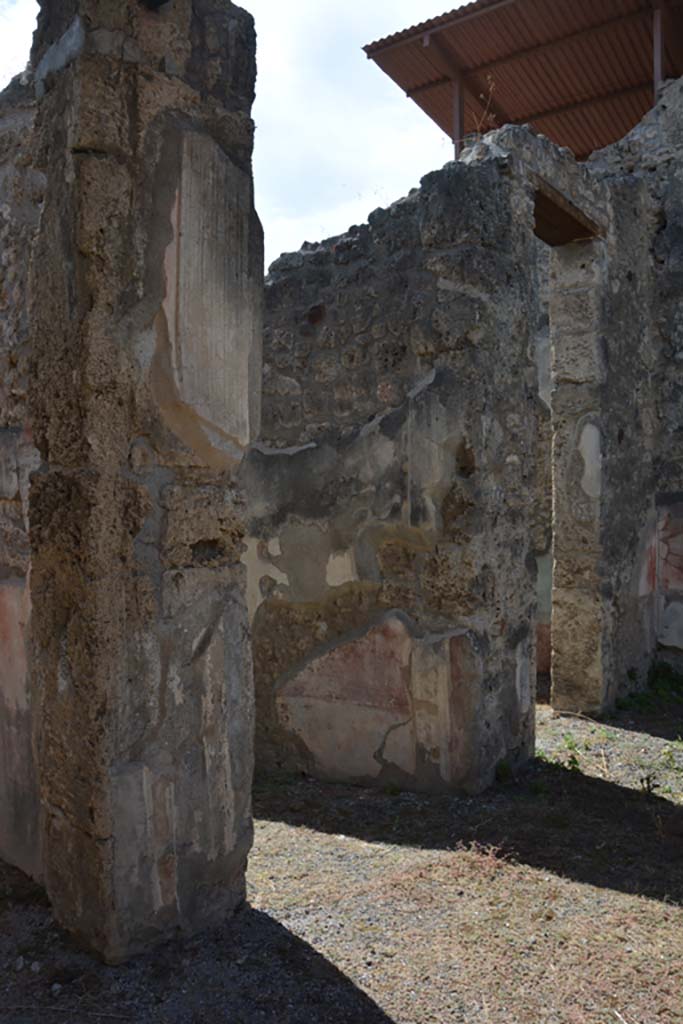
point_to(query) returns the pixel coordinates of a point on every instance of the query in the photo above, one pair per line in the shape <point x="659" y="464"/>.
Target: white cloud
<point x="335" y="137"/>
<point x="17" y="21"/>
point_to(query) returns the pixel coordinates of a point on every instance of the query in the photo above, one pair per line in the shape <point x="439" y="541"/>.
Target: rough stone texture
<point x="394" y="552"/>
<point x="542" y="511"/>
<point x="354" y="327"/>
<point x="145" y="297"/>
<point x="612" y="439"/>
<point x="21" y="191"/>
<point x="390" y="549"/>
<point x="616" y="407"/>
<point x="653" y="155"/>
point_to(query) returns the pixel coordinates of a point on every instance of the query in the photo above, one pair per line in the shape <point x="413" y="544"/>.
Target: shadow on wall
<point x="558" y="820"/>
<point x="250" y="969"/>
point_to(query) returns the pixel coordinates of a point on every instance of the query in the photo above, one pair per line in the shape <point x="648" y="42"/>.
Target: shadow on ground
<point x="575" y="825"/>
<point x="248" y="971"/>
<point x="657" y="711"/>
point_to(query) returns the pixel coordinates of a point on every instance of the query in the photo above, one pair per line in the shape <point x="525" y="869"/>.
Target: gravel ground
<point x="556" y="898"/>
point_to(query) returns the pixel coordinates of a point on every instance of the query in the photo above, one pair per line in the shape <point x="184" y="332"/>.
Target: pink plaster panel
<point x="671" y="550"/>
<point x="372" y="671"/>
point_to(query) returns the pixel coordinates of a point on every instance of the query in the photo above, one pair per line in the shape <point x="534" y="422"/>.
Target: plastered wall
<point x="390" y="552"/>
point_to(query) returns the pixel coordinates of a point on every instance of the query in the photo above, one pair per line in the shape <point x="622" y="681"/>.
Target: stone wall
<point x="145" y="292"/>
<point x="636" y="288"/>
<point x="604" y="383"/>
<point x="21" y="190"/>
<point x="353" y="331"/>
<point x="390" y="549"/>
<point x="654" y="151"/>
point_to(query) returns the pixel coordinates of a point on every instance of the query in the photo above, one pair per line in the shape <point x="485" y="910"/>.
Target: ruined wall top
<point x="356" y="320"/>
<point x="207" y="43"/>
<point x="654" y="145"/>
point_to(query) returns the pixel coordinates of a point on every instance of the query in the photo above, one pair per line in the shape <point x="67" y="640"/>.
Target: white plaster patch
<point x="522" y="677"/>
<point x="341" y="569"/>
<point x="399" y="747"/>
<point x="590" y="448"/>
<point x="213" y="297"/>
<point x="175" y="686"/>
<point x="258" y="567"/>
<point x="430" y="682"/>
<point x="374" y="456"/>
<point x="63" y="51"/>
<point x="342" y="738"/>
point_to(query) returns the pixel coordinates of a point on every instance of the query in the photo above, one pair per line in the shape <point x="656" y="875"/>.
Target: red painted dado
<point x="671" y="550"/>
<point x="372" y="671"/>
<point x="543" y="647"/>
<point x="652" y="568"/>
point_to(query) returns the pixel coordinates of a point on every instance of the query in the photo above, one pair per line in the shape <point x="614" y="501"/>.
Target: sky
<point x="335" y="138"/>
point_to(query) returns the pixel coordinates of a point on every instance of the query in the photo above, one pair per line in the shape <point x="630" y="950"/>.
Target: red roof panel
<point x="579" y="70"/>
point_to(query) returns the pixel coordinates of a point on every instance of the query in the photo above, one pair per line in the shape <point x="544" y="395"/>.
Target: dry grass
<point x="556" y="898"/>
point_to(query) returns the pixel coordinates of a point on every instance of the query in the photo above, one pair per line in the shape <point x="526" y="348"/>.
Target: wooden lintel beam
<point x="567" y="108"/>
<point x="657" y="48"/>
<point x="440" y="57"/>
<point x="458" y="114"/>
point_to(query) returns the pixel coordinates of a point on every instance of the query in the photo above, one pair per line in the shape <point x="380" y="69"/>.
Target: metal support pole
<point x="658" y="48"/>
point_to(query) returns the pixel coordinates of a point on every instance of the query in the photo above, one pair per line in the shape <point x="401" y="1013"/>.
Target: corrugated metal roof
<point x="581" y="71"/>
<point x="425" y="26"/>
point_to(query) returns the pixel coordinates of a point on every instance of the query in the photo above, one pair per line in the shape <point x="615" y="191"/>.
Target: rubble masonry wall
<point x="390" y="551"/>
<point x="144" y="301"/>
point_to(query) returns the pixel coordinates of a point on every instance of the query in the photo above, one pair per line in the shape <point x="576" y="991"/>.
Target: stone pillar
<point x="21" y="191"/>
<point x="145" y="306"/>
<point x="578" y="372"/>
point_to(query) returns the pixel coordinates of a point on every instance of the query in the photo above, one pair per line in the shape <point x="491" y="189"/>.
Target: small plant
<point x="669" y="759"/>
<point x="665" y="684"/>
<point x="573" y="763"/>
<point x="649" y="784"/>
<point x="488" y="120"/>
<point x="569" y="741"/>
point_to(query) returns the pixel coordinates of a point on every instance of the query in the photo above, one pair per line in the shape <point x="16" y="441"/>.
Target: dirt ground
<point x="556" y="898"/>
